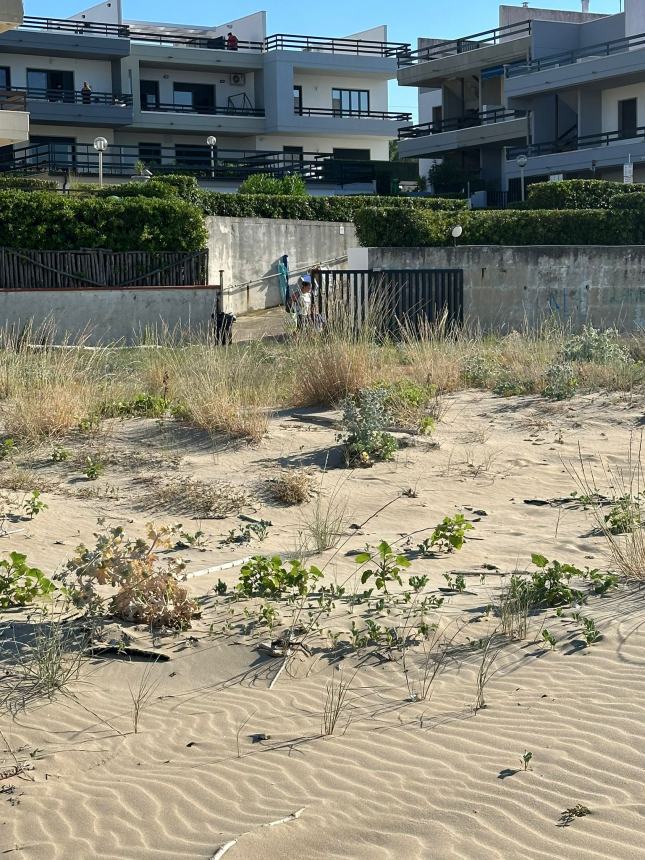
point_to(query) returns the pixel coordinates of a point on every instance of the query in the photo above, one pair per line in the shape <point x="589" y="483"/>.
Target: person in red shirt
<point x="231" y="42"/>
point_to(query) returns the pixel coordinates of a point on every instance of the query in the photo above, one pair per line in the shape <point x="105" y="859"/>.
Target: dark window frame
<point x="7" y="71"/>
<point x="350" y="111"/>
<point x="297" y="99"/>
<point x="627" y="130"/>
<point x="154" y="85"/>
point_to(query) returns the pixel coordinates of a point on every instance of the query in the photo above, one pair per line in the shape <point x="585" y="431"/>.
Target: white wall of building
<point x="610" y="99"/>
<point x="96" y="72"/>
<point x="379" y="148"/>
<point x="317" y="89"/>
<point x="634" y="17"/>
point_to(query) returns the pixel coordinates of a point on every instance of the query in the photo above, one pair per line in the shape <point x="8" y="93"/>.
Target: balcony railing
<point x="72" y="96"/>
<point x="469" y="43"/>
<point x="576" y="142"/>
<point x="10" y="100"/>
<point x="338" y="113"/>
<point x="455" y="124"/>
<point x="174" y="37"/>
<point x="120" y="160"/>
<point x="567" y="58"/>
<point x="209" y="110"/>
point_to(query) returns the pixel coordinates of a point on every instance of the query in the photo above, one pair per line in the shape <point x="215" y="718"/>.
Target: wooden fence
<point x="46" y="270"/>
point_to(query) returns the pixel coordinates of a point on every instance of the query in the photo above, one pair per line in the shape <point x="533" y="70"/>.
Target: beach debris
<point x="121" y="650"/>
<point x="568" y="816"/>
<point x="228" y="845"/>
<point x="222" y="851"/>
<point x="15" y="770"/>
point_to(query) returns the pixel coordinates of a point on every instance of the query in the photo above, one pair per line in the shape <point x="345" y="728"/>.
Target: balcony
<point x="14" y="119"/>
<point x="431" y="65"/>
<point x="75" y="106"/>
<point x="226" y="165"/>
<point x="169" y="116"/>
<point x="357" y="114"/>
<point x="208" y="110"/>
<point x="579" y="153"/>
<point x="620" y="61"/>
<point x="81" y="39"/>
<point x="485" y="128"/>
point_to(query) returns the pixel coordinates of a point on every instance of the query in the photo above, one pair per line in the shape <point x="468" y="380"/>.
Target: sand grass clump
<point x="198" y="499"/>
<point x="44" y="413"/>
<point x="292" y="487"/>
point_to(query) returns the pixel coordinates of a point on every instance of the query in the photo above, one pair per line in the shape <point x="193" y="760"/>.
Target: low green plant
<point x="526" y="759"/>
<point x="457" y="583"/>
<point x="624" y="516"/>
<point x="7" y="449"/>
<point x="271" y="577"/>
<point x="364" y="439"/>
<point x="549" y="639"/>
<point x="550" y="585"/>
<point x="59" y="454"/>
<point x="34" y="505"/>
<point x="560" y="382"/>
<point x="387" y="566"/>
<point x="508" y="384"/>
<point x="590" y="632"/>
<point x="21" y="584"/>
<point x="94" y="468"/>
<point x="250" y="531"/>
<point x="599" y="346"/>
<point x="450" y="534"/>
<point x="142" y="406"/>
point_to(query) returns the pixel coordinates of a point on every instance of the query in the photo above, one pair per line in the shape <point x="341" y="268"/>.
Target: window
<point x="194" y="97"/>
<point x="628" y="118"/>
<point x="50" y="85"/>
<point x="437" y="116"/>
<point x="348" y="102"/>
<point x="5" y="78"/>
<point x="297" y="99"/>
<point x="150" y="154"/>
<point x="352" y="154"/>
<point x="62" y="150"/>
<point x="193" y="156"/>
<point x="149" y="92"/>
<point x="293" y="155"/>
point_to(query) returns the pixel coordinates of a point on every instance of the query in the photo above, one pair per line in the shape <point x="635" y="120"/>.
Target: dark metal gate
<point x="392" y="299"/>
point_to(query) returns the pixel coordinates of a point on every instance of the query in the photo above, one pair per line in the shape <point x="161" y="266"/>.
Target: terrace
<point x="567" y="58"/>
<point x="466" y="44"/>
<point x="471" y="131"/>
<point x="62" y="105"/>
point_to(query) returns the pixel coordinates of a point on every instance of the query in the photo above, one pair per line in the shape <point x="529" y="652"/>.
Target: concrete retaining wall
<point x="248" y="251"/>
<point x="506" y="286"/>
<point x="108" y="315"/>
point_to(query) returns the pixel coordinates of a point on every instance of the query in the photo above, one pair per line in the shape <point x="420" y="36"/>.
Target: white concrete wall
<point x="248" y="251"/>
<point x="610" y="99"/>
<point x="317" y="89"/>
<point x="378" y="147"/>
<point x="220" y="80"/>
<point x="96" y="72"/>
<point x="80" y="135"/>
<point x="14" y="127"/>
<point x="109" y="315"/>
<point x="11" y="14"/>
<point x="634" y="17"/>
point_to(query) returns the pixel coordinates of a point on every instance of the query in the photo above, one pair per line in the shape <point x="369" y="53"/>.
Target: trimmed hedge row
<point x="315" y="208"/>
<point x="27" y="183"/>
<point x="153" y="188"/>
<point x="53" y="222"/>
<point x="577" y="194"/>
<point x="394" y="228"/>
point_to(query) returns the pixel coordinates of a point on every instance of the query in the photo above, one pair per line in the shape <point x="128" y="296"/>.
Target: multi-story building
<point x="564" y="89"/>
<point x="158" y="92"/>
<point x="14" y="119"/>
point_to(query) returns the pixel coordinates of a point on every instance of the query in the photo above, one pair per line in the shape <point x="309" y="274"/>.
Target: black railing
<point x="567" y="58"/>
<point x="211" y="110"/>
<point x="456" y="123"/>
<point x="468" y="43"/>
<point x="121" y="160"/>
<point x="73" y="96"/>
<point x="11" y="100"/>
<point x="277" y="42"/>
<point x="80" y="28"/>
<point x="339" y="113"/>
<point x="574" y="142"/>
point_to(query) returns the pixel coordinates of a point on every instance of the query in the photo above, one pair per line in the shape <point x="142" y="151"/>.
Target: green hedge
<point x="27" y="183"/>
<point x="577" y="194"/>
<point x="153" y="188"/>
<point x="314" y="208"/>
<point x="394" y="228"/>
<point x="45" y="221"/>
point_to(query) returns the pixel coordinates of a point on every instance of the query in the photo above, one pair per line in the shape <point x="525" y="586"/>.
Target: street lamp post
<point x="212" y="142"/>
<point x="100" y="145"/>
<point x="521" y="162"/>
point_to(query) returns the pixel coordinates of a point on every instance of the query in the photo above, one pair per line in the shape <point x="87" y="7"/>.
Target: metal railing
<point x="453" y="47"/>
<point x="209" y="110"/>
<point x="473" y="120"/>
<point x="11" y="100"/>
<point x="576" y="142"/>
<point x="72" y="96"/>
<point x="353" y="114"/>
<point x="276" y="42"/>
<point x="121" y="160"/>
<point x="567" y="58"/>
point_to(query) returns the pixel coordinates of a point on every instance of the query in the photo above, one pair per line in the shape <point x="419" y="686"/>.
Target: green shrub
<point x="262" y="183"/>
<point x="560" y="382"/>
<point x="127" y="189"/>
<point x="341" y="208"/>
<point x="185" y="187"/>
<point x="400" y="228"/>
<point x="27" y="183"/>
<point x="577" y="194"/>
<point x="365" y="416"/>
<point x="597" y="346"/>
<point x="53" y="222"/>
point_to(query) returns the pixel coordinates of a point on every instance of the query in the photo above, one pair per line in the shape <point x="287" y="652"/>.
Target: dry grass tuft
<point x="292" y="487"/>
<point x="46" y="412"/>
<point x="199" y="499"/>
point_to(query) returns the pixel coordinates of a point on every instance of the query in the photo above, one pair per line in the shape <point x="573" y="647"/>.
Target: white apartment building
<point x="157" y="92"/>
<point x="14" y="119"/>
<point x="563" y="91"/>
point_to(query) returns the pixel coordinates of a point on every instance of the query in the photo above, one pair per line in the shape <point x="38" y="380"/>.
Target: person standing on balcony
<point x="86" y="93"/>
<point x="232" y="42"/>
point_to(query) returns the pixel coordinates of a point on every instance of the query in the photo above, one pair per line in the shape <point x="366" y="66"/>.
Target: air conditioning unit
<point x="237" y="79"/>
